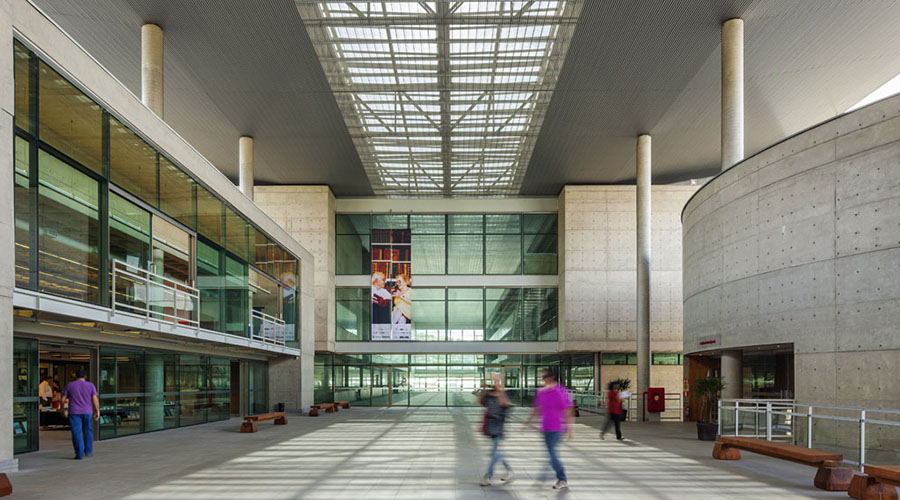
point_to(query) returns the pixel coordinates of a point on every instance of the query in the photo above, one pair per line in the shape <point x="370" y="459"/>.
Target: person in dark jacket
<point x="496" y="405"/>
<point x="613" y="411"/>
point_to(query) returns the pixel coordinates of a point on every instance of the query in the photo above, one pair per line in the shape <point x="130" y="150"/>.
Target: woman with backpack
<point x="496" y="405"/>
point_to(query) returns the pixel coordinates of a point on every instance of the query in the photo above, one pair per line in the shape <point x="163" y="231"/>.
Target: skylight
<point x="442" y="97"/>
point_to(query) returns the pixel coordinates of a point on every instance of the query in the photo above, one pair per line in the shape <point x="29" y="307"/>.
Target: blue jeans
<point x="552" y="439"/>
<point x="82" y="434"/>
<point x="496" y="456"/>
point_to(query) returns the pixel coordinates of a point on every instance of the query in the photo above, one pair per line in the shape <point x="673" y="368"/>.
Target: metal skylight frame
<point x="442" y="98"/>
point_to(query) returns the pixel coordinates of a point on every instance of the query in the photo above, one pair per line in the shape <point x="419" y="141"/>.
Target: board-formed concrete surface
<point x="415" y="453"/>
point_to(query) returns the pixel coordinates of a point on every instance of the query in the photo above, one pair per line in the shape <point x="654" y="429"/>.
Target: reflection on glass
<point x="503" y="254"/>
<point x="504" y="314"/>
<point x="236" y="234"/>
<point x="24" y="213"/>
<point x="22" y="76"/>
<point x="177" y="193"/>
<point x="465" y="254"/>
<point x="129" y="243"/>
<point x="428" y="254"/>
<point x="429" y="315"/>
<point x="352" y="314"/>
<point x="132" y="163"/>
<point x="193" y="383"/>
<point x="236" y="297"/>
<point x="26" y="375"/>
<point x="210" y="216"/>
<point x="172" y="260"/>
<point x="69" y="231"/>
<point x="258" y="387"/>
<point x="541" y="313"/>
<point x="69" y="120"/>
<point x="428" y="385"/>
<point x="209" y="282"/>
<point x="465" y="314"/>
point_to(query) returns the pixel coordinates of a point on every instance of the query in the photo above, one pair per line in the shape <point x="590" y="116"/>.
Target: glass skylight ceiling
<point x="446" y="97"/>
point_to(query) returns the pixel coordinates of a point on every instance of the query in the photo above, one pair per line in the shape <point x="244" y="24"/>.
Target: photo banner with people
<point x="391" y="285"/>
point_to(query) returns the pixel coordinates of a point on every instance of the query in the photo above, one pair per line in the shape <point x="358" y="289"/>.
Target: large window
<point x="501" y="244"/>
<point x="459" y="314"/>
<point x="92" y="196"/>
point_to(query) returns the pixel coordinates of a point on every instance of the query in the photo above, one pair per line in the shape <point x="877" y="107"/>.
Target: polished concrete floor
<point x="415" y="453"/>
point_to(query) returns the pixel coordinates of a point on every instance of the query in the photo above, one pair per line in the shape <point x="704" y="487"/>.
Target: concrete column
<point x="732" y="367"/>
<point x="154" y="402"/>
<point x="732" y="92"/>
<point x="643" y="268"/>
<point x="245" y="165"/>
<point x="152" y="68"/>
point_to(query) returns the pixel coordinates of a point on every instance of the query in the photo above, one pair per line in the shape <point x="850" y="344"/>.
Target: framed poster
<point x="391" y="285"/>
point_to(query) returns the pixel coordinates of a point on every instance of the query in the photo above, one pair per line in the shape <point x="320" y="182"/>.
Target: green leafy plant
<point x="708" y="390"/>
<point x="622" y="383"/>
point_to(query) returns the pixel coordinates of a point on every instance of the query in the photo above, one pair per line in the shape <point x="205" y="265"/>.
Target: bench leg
<point x="346" y="406"/>
<point x="248" y="427"/>
<point x="864" y="487"/>
<point x="313" y="412"/>
<point x="721" y="451"/>
<point x="281" y="421"/>
<point x="833" y="478"/>
<point x="5" y="486"/>
<point x="330" y="409"/>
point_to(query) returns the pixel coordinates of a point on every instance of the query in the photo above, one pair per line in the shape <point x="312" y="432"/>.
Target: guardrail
<point x="266" y="328"/>
<point x="596" y="403"/>
<point x="840" y="428"/>
<point x="139" y="291"/>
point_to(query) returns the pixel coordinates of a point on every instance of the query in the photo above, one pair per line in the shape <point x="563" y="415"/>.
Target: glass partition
<point x="69" y="120"/>
<point x="26" y="405"/>
<point x="25" y="212"/>
<point x="177" y="193"/>
<point x="132" y="163"/>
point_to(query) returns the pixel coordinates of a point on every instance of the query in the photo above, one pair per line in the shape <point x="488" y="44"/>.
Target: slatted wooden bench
<point x="343" y="404"/>
<point x="328" y="407"/>
<point x="250" y="421"/>
<point x="878" y="482"/>
<point x="830" y="476"/>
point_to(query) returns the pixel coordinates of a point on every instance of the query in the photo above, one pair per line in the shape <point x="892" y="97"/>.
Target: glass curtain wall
<point x="26" y="405"/>
<point x="459" y="314"/>
<point x="449" y="244"/>
<point x="89" y="191"/>
<point x="145" y="391"/>
<point x="440" y="379"/>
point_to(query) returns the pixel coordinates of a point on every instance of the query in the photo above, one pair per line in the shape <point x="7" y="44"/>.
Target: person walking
<point x="614" y="412"/>
<point x="554" y="404"/>
<point x="83" y="403"/>
<point x="496" y="405"/>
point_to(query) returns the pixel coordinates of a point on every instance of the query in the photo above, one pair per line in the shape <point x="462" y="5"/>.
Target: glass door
<point x="399" y="386"/>
<point x="381" y="386"/>
<point x="511" y="377"/>
<point x="26" y="403"/>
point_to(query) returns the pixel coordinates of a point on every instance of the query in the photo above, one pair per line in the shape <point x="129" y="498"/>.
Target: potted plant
<point x="708" y="391"/>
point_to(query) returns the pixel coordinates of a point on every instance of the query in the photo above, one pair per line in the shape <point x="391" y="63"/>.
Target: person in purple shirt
<point x="554" y="404"/>
<point x="83" y="403"/>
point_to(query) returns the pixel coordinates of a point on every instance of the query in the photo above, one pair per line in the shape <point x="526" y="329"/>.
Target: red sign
<point x="656" y="399"/>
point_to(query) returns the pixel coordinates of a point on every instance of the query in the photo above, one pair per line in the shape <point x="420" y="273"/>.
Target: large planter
<point x="707" y="431"/>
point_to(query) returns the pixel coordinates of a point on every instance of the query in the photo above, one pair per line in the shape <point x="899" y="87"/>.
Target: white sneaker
<point x="560" y="485"/>
<point x="507" y="477"/>
<point x="485" y="481"/>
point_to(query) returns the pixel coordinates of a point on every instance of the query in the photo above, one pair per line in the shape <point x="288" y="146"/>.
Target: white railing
<point x="787" y="420"/>
<point x="153" y="296"/>
<point x="596" y="403"/>
<point x="266" y="328"/>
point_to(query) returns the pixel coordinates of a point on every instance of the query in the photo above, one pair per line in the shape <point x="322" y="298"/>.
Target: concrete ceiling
<point x="235" y="67"/>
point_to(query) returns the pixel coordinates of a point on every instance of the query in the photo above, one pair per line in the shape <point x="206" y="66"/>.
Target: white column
<point x="732" y="366"/>
<point x="152" y="68"/>
<point x="644" y="165"/>
<point x="732" y="92"/>
<point x="245" y="165"/>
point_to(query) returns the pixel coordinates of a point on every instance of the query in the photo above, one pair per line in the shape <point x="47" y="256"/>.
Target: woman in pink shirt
<point x="554" y="404"/>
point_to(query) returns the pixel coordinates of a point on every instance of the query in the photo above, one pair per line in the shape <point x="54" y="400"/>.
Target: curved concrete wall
<point x="800" y="244"/>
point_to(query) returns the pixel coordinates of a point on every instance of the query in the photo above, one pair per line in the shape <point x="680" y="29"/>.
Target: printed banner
<point x="391" y="285"/>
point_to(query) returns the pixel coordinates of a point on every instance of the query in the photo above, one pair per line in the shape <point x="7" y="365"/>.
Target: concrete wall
<point x="307" y="214"/>
<point x="598" y="269"/>
<point x="800" y="244"/>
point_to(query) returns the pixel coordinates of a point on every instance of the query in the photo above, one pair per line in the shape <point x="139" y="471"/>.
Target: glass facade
<point x="100" y="213"/>
<point x="440" y="379"/>
<point x="26" y="404"/>
<point x="459" y="314"/>
<point x="145" y="391"/>
<point x="448" y="244"/>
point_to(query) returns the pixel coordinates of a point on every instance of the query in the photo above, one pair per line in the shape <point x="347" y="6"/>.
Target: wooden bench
<point x="878" y="482"/>
<point x="5" y="486"/>
<point x="328" y="407"/>
<point x="343" y="404"/>
<point x="250" y="421"/>
<point x="830" y="476"/>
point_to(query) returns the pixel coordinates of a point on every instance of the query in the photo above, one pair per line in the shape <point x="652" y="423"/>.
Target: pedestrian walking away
<point x="554" y="405"/>
<point x="81" y="396"/>
<point x="496" y="405"/>
<point x="614" y="411"/>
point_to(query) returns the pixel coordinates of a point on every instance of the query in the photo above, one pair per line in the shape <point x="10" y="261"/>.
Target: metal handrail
<point x="791" y="410"/>
<point x="630" y="403"/>
<point x="271" y="329"/>
<point x="151" y="282"/>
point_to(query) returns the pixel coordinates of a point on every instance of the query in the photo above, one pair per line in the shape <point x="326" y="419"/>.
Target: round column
<point x="644" y="186"/>
<point x="245" y="166"/>
<point x="732" y="92"/>
<point x="152" y="68"/>
<point x="732" y="365"/>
